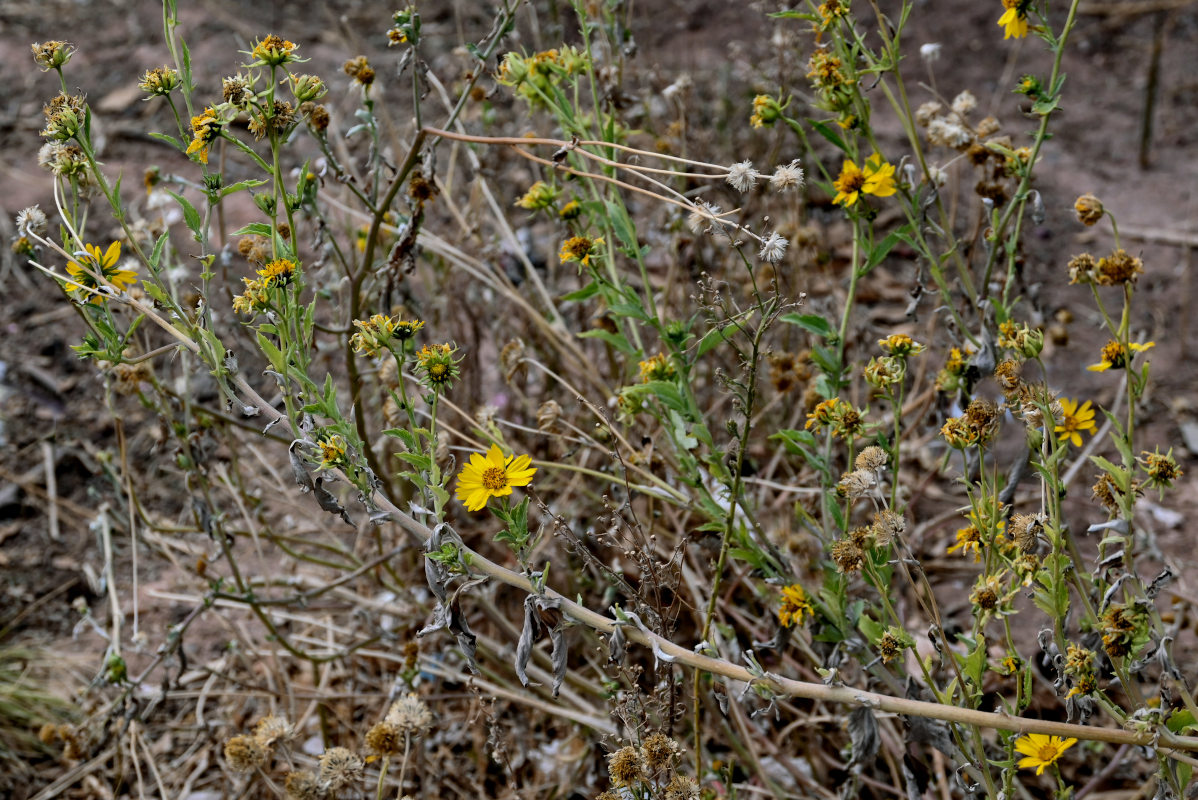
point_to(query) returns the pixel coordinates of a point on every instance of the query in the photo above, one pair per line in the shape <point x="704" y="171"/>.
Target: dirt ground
<point x="54" y="435"/>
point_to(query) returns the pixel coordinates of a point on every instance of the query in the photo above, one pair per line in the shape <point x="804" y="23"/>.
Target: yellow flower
<point x="1041" y="750"/>
<point x="580" y="249"/>
<point x="795" y="606"/>
<point x="205" y="128"/>
<point x="1115" y="355"/>
<point x="876" y="178"/>
<point x="1014" y="19"/>
<point x="968" y="539"/>
<point x="332" y="451"/>
<point x="278" y="272"/>
<point x="492" y="475"/>
<point x="439" y="366"/>
<point x="1074" y="420"/>
<point x="273" y="51"/>
<point x="85" y="270"/>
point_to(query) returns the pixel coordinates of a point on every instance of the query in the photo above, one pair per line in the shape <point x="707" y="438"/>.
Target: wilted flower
<point x="340" y="768"/>
<point x="787" y="176"/>
<point x="159" y="81"/>
<point x="244" y="753"/>
<point x="1089" y="209"/>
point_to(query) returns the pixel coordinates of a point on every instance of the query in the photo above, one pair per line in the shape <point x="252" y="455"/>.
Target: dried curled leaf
<point x="328" y="502"/>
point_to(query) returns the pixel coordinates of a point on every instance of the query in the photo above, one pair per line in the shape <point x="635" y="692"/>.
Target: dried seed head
<point x="871" y="459"/>
<point x="410" y="715"/>
<point x="682" y="787"/>
<point x="964" y="103"/>
<point x="271" y="730"/>
<point x="1025" y="530"/>
<point x="340" y="768"/>
<point x="741" y="176"/>
<point x="385" y="739"/>
<point x="626" y="766"/>
<point x="244" y="753"/>
<point x="31" y="221"/>
<point x="848" y="555"/>
<point x="888" y="525"/>
<point x="855" y="484"/>
<point x="302" y="785"/>
<point x="773" y="248"/>
<point x="660" y="751"/>
<point x="787" y="176"/>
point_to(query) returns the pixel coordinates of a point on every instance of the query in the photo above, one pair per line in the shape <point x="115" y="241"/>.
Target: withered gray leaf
<point x="617" y="645"/>
<point x="299" y="469"/>
<point x="1158" y="583"/>
<point x="863" y="735"/>
<point x="328" y="502"/>
<point x="524" y="646"/>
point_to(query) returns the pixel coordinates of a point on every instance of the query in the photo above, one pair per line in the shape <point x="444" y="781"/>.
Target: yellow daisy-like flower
<point x="1014" y="19"/>
<point x="1074" y="420"/>
<point x="580" y="249"/>
<point x="278" y="272"/>
<point x="968" y="540"/>
<point x="876" y="178"/>
<point x="84" y="271"/>
<point x="273" y="51"/>
<point x="492" y="475"/>
<point x="795" y="606"/>
<point x="205" y="128"/>
<point x="1116" y="355"/>
<point x="1041" y="750"/>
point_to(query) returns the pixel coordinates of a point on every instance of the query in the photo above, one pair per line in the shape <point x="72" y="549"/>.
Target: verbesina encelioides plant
<point x="677" y="359"/>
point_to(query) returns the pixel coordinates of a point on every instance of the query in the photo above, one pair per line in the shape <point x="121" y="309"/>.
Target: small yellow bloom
<point x="332" y="451"/>
<point x="1041" y="750"/>
<point x="278" y="272"/>
<point x="1115" y="355"/>
<point x="968" y="539"/>
<point x="876" y="178"/>
<point x="273" y="51"/>
<point x="1014" y="19"/>
<point x="1074" y="420"/>
<point x="492" y="475"/>
<point x="580" y="249"/>
<point x="87" y="270"/>
<point x="795" y="606"/>
<point x="205" y="128"/>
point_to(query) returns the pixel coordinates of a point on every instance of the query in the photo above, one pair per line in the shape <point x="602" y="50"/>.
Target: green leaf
<point x="273" y="354"/>
<point x="168" y="139"/>
<point x="880" y="251"/>
<point x="824" y="130"/>
<point x="631" y="310"/>
<point x="159" y="246"/>
<point x="811" y="322"/>
<point x="614" y="339"/>
<point x="256" y="228"/>
<point x="585" y="293"/>
<point x="190" y="216"/>
<point x="622" y="225"/>
<point x="710" y="341"/>
<point x="239" y="186"/>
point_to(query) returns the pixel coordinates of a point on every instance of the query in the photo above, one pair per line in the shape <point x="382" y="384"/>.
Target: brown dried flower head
<point x="626" y="766"/>
<point x="271" y="730"/>
<point x="660" y="751"/>
<point x="888" y="525"/>
<point x="1118" y="269"/>
<point x="340" y="768"/>
<point x="384" y="739"/>
<point x="848" y="555"/>
<point x="871" y="459"/>
<point x="302" y="785"/>
<point x="244" y="753"/>
<point x="410" y="715"/>
<point x="1025" y="530"/>
<point x="1089" y="209"/>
